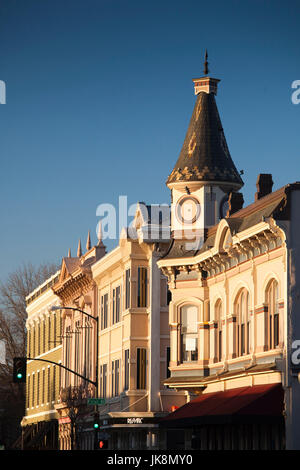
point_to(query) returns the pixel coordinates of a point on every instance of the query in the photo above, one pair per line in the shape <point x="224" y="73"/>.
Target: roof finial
<point x="206" y="71"/>
<point x="79" y="251"/>
<point x="69" y="253"/>
<point x="88" y="242"/>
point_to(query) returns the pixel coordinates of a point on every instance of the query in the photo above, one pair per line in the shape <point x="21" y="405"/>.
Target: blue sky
<point x="99" y="96"/>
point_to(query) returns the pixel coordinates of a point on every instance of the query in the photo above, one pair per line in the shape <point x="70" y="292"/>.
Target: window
<point x="33" y="389"/>
<point x="218" y="319"/>
<point x="127" y="288"/>
<point x="67" y="356"/>
<point x="28" y="342"/>
<point x="168" y="357"/>
<point x="142" y="287"/>
<point x="141" y="369"/>
<point x="126" y="369"/>
<point x="33" y="340"/>
<point x="48" y="386"/>
<point x="77" y="351"/>
<point x="54" y="330"/>
<point x="38" y="388"/>
<point x="59" y="321"/>
<point x="104" y="311"/>
<point x="38" y="338"/>
<point x="28" y="392"/>
<point x="87" y="347"/>
<point x="43" y="387"/>
<point x="189" y="333"/>
<point x="54" y="383"/>
<point x="49" y="332"/>
<point x="242" y="323"/>
<point x="273" y="315"/>
<point x="116" y="304"/>
<point x="44" y="336"/>
<point x="115" y="371"/>
<point x="103" y="380"/>
<point x="59" y="378"/>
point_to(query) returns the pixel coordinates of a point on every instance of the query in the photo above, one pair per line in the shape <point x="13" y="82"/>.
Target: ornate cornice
<point x="220" y="262"/>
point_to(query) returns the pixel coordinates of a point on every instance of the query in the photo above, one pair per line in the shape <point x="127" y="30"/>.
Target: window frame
<point x="183" y="334"/>
<point x="104" y="311"/>
<point x="142" y="287"/>
<point x="243" y="323"/>
<point x="272" y="304"/>
<point x="141" y="368"/>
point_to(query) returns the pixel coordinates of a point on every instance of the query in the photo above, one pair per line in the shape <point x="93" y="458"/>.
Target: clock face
<point x="188" y="210"/>
<point x="224" y="206"/>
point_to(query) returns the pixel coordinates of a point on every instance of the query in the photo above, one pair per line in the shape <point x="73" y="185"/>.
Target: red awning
<point x="248" y="402"/>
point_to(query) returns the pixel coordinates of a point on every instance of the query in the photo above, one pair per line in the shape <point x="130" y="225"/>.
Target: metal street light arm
<point x="64" y="367"/>
<point x="75" y="308"/>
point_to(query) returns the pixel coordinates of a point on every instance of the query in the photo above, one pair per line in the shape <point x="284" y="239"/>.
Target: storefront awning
<point x="247" y="404"/>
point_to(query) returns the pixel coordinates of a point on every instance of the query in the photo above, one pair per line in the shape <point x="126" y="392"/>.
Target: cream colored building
<point x="197" y="314"/>
<point x="43" y="326"/>
<point x="134" y="337"/>
<point x="114" y="310"/>
<point x="233" y="315"/>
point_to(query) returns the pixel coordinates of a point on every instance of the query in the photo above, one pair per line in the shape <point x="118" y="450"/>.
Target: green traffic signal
<point x="96" y="422"/>
<point x="19" y="369"/>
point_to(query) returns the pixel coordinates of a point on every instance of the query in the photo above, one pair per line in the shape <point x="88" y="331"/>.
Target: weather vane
<point x="206" y="63"/>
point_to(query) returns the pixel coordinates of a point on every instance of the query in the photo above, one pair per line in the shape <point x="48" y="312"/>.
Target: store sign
<point x="134" y="420"/>
<point x="64" y="420"/>
<point x="96" y="401"/>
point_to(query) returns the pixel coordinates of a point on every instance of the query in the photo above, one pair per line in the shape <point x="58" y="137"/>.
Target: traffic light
<point x="19" y="370"/>
<point x="103" y="444"/>
<point x="96" y="422"/>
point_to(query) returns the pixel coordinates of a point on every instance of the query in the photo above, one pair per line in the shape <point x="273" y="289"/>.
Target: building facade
<point x="77" y="293"/>
<point x="40" y="430"/>
<point x="188" y="330"/>
<point x="115" y="336"/>
<point x="233" y="315"/>
<point x="134" y="344"/>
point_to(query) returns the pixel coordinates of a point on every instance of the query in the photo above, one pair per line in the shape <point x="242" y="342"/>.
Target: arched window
<point x="218" y="320"/>
<point x="241" y="307"/>
<point x="272" y="315"/>
<point x="189" y="333"/>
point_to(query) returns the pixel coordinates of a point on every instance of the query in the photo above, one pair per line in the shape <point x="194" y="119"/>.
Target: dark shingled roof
<point x="205" y="155"/>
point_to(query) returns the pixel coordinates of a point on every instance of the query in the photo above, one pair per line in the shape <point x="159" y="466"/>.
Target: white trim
<point x="41" y="413"/>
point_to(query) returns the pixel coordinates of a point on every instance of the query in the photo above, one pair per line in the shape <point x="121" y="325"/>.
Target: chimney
<point x="235" y="203"/>
<point x="264" y="184"/>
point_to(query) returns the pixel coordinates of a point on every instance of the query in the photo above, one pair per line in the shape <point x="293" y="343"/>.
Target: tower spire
<point x="79" y="251"/>
<point x="69" y="253"/>
<point x="88" y="242"/>
<point x="205" y="156"/>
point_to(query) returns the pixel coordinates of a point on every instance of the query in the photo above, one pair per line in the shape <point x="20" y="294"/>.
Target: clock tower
<point x="204" y="174"/>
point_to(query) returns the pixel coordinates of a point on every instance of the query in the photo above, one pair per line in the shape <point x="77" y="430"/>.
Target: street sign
<point x="96" y="401"/>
